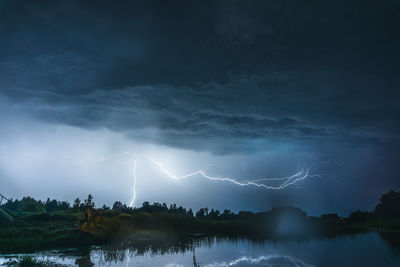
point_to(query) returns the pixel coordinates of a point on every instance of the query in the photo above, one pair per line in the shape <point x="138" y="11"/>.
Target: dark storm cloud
<point x="192" y="117"/>
<point x="207" y="74"/>
<point x="279" y="83"/>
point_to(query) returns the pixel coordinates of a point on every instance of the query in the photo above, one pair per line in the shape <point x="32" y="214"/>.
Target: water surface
<point x="366" y="249"/>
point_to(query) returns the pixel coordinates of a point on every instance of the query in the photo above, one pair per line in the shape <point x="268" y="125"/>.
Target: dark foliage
<point x="54" y="205"/>
<point x="389" y="205"/>
<point x="359" y="216"/>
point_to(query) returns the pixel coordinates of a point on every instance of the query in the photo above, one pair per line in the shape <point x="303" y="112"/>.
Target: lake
<point x="365" y="249"/>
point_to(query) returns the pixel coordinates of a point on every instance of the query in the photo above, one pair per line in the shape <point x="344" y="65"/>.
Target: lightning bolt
<point x="283" y="182"/>
<point x="134" y="184"/>
<point x="286" y="181"/>
<point x="92" y="158"/>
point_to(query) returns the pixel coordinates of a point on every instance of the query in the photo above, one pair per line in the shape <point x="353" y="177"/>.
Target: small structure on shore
<point x="4" y="215"/>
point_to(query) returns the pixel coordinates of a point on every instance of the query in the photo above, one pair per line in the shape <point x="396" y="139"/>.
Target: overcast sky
<point x="239" y="89"/>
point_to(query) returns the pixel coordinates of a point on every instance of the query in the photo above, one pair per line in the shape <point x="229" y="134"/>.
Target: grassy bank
<point x="30" y="232"/>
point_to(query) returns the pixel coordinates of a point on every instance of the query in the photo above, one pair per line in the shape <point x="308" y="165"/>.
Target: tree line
<point x="388" y="207"/>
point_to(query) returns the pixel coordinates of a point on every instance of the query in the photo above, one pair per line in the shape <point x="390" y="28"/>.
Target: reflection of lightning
<point x="287" y="181"/>
<point x="271" y="260"/>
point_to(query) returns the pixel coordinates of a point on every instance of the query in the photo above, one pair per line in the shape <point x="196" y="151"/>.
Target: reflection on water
<point x="272" y="260"/>
<point x="392" y="239"/>
<point x="367" y="249"/>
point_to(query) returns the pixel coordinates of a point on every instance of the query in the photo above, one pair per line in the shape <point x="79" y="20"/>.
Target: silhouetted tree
<point x="190" y="213"/>
<point x="54" y="205"/>
<point x="389" y="205"/>
<point x="77" y="203"/>
<point x="202" y="213"/>
<point x="12" y="205"/>
<point x="64" y="205"/>
<point x="330" y="218"/>
<point x="29" y="204"/>
<point x="172" y="208"/>
<point x="226" y="215"/>
<point x="146" y="206"/>
<point x="117" y="206"/>
<point x="245" y="214"/>
<point x="214" y="214"/>
<point x="358" y="216"/>
<point x="88" y="203"/>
